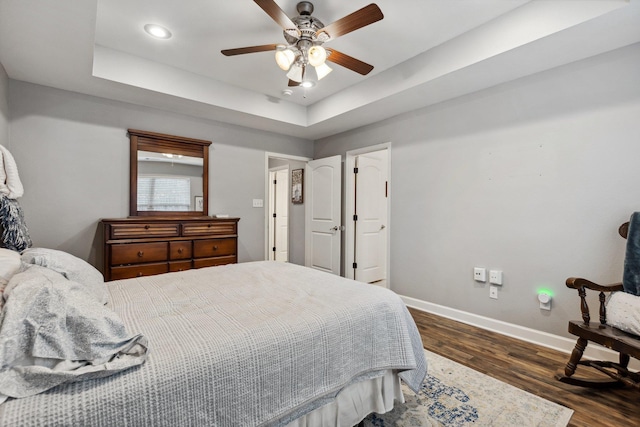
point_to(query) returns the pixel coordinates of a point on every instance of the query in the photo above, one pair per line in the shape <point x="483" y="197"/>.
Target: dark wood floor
<point x="528" y="367"/>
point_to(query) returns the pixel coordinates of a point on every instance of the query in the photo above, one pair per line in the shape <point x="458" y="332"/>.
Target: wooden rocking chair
<point x="627" y="345"/>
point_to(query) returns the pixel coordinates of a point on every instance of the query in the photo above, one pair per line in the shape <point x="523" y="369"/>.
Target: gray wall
<point x="532" y="177"/>
<point x="72" y="151"/>
<point x="4" y="108"/>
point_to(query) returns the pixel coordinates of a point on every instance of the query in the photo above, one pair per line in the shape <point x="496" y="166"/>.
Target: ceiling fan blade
<point x="349" y="62"/>
<point x="250" y="49"/>
<point x="358" y="19"/>
<point x="277" y="14"/>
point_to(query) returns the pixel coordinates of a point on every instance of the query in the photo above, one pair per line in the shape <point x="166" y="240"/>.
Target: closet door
<point x="281" y="215"/>
<point x="371" y="210"/>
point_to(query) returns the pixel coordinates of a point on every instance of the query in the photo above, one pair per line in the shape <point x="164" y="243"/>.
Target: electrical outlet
<point x="493" y="292"/>
<point x="480" y="274"/>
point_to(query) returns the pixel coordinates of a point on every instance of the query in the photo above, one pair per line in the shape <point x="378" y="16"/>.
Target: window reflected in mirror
<point x="169" y="175"/>
<point x="169" y="182"/>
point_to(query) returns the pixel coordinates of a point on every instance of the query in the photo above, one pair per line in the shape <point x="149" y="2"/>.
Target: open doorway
<point x="367" y="210"/>
<point x="286" y="231"/>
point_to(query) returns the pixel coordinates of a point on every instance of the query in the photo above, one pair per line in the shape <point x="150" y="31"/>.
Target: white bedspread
<point x="238" y="345"/>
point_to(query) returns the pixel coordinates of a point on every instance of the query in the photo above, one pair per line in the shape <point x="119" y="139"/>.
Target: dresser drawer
<point x="209" y="228"/>
<point x="136" y="253"/>
<point x="142" y="230"/>
<point x="214" y="247"/>
<point x="130" y="271"/>
<point x="210" y="262"/>
<point x="142" y="246"/>
<point x="179" y="265"/>
<point x="180" y="250"/>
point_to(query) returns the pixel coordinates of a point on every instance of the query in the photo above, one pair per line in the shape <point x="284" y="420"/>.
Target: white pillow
<point x="623" y="312"/>
<point x="9" y="265"/>
<point x="71" y="267"/>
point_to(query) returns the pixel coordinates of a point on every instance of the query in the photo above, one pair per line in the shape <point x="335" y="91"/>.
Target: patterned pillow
<point x="71" y="267"/>
<point x="623" y="312"/>
<point x="15" y="234"/>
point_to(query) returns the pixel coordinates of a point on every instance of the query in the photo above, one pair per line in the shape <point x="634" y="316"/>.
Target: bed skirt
<point x="355" y="402"/>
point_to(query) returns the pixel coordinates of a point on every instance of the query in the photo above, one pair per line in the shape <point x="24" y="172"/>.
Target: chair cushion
<point x="623" y="312"/>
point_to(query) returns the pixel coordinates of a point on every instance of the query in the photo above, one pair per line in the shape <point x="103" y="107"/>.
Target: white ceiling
<point x="423" y="51"/>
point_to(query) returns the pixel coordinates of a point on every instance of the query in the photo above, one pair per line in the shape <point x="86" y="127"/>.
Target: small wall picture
<point x="297" y="177"/>
<point x="199" y="202"/>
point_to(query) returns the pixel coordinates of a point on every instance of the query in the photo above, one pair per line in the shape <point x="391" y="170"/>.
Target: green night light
<point x="545" y="291"/>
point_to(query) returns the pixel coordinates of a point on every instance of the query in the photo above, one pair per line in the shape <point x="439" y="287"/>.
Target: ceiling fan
<point x="303" y="56"/>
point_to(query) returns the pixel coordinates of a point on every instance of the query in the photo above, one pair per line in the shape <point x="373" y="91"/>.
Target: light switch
<point x="495" y="277"/>
<point x="257" y="203"/>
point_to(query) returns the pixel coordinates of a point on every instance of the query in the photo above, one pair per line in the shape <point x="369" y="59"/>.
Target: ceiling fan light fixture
<point x="322" y="70"/>
<point x="309" y="78"/>
<point x="295" y="73"/>
<point x="285" y="58"/>
<point x="317" y="55"/>
<point x="157" y="31"/>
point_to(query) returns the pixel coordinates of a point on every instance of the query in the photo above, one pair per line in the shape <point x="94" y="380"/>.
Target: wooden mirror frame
<point x="161" y="143"/>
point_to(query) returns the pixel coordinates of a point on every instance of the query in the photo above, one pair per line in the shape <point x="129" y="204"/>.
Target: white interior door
<point x="371" y="213"/>
<point x="323" y="196"/>
<point x="271" y="232"/>
<point x="279" y="215"/>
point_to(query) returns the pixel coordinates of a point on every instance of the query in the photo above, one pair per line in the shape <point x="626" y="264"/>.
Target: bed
<point x="250" y="344"/>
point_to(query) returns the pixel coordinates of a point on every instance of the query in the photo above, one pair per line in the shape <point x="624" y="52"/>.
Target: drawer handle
<point x="146" y="227"/>
<point x="180" y="250"/>
<point x="209" y="225"/>
<point x="215" y="247"/>
<point x="140" y="274"/>
<point x="140" y="254"/>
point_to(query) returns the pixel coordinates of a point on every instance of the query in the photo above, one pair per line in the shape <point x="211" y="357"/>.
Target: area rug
<point x="454" y="395"/>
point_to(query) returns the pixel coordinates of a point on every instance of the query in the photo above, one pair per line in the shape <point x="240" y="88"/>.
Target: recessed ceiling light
<point x="157" y="31"/>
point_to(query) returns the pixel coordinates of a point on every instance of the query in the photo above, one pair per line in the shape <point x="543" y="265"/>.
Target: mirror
<point x="169" y="175"/>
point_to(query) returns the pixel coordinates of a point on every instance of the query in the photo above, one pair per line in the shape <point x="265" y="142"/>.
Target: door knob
<point x="334" y="228"/>
<point x="382" y="227"/>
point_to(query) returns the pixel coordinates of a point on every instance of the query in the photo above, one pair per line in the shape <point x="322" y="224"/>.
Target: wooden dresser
<point x="143" y="246"/>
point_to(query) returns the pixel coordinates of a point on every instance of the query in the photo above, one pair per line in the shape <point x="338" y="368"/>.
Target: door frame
<point x="350" y="204"/>
<point x="270" y="155"/>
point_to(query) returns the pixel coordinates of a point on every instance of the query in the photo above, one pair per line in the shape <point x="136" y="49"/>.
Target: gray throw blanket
<point x="54" y="331"/>
<point x="631" y="275"/>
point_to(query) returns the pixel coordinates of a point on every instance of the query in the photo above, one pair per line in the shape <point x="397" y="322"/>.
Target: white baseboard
<point x="555" y="342"/>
